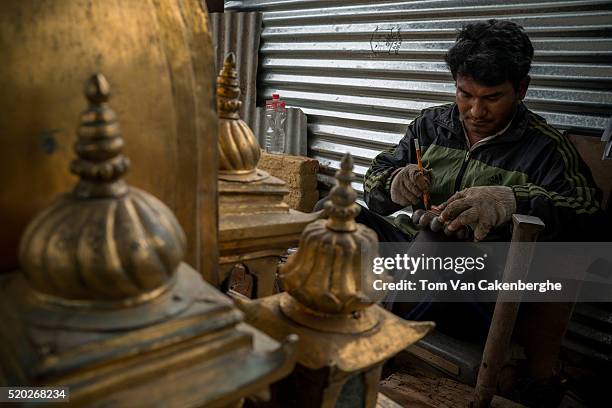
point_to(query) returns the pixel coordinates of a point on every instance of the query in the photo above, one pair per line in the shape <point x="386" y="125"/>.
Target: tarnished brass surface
<point x="327" y="272"/>
<point x="347" y="352"/>
<point x="255" y="225"/>
<point x="258" y="196"/>
<point x="347" y="323"/>
<point x="107" y="308"/>
<point x="105" y="240"/>
<point x="344" y="337"/>
<point x="238" y="148"/>
<point x="188" y="345"/>
<point x="159" y="58"/>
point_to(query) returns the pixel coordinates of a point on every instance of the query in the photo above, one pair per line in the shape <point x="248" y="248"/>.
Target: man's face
<point x="485" y="110"/>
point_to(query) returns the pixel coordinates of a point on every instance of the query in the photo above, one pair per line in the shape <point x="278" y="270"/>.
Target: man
<point x="489" y="156"/>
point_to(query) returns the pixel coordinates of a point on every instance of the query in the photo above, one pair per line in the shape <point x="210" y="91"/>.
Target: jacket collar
<point x="449" y="119"/>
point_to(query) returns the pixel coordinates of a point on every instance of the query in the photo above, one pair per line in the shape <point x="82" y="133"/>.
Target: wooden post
<point x="526" y="229"/>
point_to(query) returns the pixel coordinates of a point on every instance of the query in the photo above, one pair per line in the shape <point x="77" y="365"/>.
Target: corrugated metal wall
<point x="362" y="70"/>
<point x="239" y="33"/>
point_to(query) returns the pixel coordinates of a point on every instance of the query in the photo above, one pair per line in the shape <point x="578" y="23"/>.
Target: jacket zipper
<point x="459" y="178"/>
<point x="466" y="160"/>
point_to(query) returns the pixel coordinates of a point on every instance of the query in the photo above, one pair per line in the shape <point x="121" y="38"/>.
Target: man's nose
<point x="478" y="110"/>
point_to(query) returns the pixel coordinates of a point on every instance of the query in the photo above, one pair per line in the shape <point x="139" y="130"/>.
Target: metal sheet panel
<point x="239" y="33"/>
<point x="362" y="70"/>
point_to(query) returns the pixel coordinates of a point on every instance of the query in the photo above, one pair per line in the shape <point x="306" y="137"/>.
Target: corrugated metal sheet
<point x="295" y="130"/>
<point x="588" y="340"/>
<point x="362" y="70"/>
<point x="239" y="33"/>
<point x="607" y="139"/>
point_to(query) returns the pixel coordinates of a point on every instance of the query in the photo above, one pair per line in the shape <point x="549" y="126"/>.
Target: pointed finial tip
<point x="347" y="162"/>
<point x="230" y="58"/>
<point x="97" y="89"/>
<point x="341" y="207"/>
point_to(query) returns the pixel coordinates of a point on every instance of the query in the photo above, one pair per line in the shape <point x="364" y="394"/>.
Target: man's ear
<point x="522" y="89"/>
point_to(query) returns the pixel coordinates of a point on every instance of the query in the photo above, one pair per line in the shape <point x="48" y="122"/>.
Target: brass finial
<point x="100" y="163"/>
<point x="106" y="241"/>
<point x="239" y="150"/>
<point x="341" y="206"/>
<point x="328" y="274"/>
<point x="228" y="89"/>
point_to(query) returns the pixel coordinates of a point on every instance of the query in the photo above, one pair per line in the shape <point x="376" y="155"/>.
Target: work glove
<point x="409" y="184"/>
<point x="430" y="219"/>
<point x="484" y="206"/>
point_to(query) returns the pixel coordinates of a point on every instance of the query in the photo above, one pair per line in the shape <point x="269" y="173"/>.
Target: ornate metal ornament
<point x="105" y="240"/>
<point x="255" y="225"/>
<point x="105" y="306"/>
<point x="160" y="56"/>
<point x="239" y="150"/>
<point x="344" y="336"/>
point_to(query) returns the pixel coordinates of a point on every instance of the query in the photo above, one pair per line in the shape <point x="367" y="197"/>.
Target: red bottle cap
<point x="275" y="96"/>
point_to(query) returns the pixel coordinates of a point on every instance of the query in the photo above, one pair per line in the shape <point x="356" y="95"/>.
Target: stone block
<point x="300" y="174"/>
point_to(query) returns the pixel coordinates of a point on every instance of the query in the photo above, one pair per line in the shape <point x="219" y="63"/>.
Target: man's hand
<point x="486" y="206"/>
<point x="409" y="184"/>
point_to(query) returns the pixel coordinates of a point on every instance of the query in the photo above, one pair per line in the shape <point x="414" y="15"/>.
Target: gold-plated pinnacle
<point x="341" y="208"/>
<point x="100" y="163"/>
<point x="228" y="89"/>
<point x="325" y="276"/>
<point x="97" y="89"/>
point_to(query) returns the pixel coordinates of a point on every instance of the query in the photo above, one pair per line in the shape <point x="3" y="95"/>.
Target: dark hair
<point x="491" y="52"/>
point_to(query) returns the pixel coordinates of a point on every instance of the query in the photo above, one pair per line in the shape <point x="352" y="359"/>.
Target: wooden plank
<point x="386" y="402"/>
<point x="427" y="390"/>
<point x="433" y="359"/>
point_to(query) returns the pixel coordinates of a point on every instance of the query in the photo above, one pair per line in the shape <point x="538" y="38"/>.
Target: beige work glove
<point x="485" y="206"/>
<point x="409" y="184"/>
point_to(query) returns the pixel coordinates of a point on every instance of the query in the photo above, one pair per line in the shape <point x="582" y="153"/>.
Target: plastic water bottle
<point x="276" y="114"/>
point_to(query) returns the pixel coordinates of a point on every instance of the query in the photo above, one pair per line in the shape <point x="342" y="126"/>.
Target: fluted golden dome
<point x="105" y="240"/>
<point x="328" y="274"/>
<point x="239" y="150"/>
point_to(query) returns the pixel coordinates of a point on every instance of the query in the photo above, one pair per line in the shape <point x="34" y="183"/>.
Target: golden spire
<point x="329" y="272"/>
<point x="239" y="150"/>
<point x="106" y="241"/>
<point x="100" y="163"/>
<point x="341" y="208"/>
<point x="228" y="89"/>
